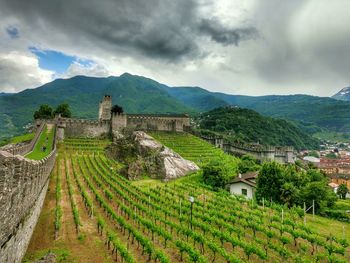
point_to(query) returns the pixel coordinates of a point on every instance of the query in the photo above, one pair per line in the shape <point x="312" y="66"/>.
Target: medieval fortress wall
<point x="108" y="122"/>
<point x="263" y="153"/>
<point x="23" y="186"/>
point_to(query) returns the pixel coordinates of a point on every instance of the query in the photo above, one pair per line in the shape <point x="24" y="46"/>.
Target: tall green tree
<point x="64" y="110"/>
<point x="342" y="191"/>
<point x="320" y="193"/>
<point x="44" y="112"/>
<point x="269" y="181"/>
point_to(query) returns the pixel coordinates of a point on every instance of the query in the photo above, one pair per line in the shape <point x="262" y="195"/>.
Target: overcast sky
<point x="253" y="47"/>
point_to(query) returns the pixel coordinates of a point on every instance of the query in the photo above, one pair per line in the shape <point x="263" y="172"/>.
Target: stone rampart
<point x="261" y="152"/>
<point x="23" y="185"/>
<point x="85" y="128"/>
<point x="158" y="122"/>
<point x="24" y="148"/>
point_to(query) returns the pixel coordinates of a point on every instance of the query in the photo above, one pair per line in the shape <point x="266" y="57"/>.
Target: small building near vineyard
<point x="244" y="184"/>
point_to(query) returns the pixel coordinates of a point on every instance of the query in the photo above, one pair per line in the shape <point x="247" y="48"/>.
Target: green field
<point x="99" y="216"/>
<point x="188" y="146"/>
<point x="22" y="138"/>
<point x="45" y="140"/>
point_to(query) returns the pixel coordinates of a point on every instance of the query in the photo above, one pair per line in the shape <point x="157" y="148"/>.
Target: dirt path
<point x="68" y="247"/>
<point x="46" y="220"/>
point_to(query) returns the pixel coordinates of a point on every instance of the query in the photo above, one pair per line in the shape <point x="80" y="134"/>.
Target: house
<point x="334" y="186"/>
<point x="244" y="184"/>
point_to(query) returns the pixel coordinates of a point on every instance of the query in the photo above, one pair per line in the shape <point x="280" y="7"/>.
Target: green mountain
<point x="134" y="94"/>
<point x="196" y="97"/>
<point x="324" y="112"/>
<point x="245" y="125"/>
<point x="138" y="94"/>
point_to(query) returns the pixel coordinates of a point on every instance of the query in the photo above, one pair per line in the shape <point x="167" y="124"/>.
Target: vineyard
<point x="93" y="214"/>
<point x="188" y="146"/>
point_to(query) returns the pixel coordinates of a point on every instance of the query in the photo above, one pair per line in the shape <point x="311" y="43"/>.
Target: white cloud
<point x="91" y="69"/>
<point x="19" y="71"/>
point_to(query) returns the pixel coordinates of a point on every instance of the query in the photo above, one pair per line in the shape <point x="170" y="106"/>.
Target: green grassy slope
<point x="188" y="146"/>
<point x="23" y="138"/>
<point x="45" y="139"/>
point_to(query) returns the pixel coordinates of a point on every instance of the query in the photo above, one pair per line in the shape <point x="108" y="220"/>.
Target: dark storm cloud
<point x="164" y="29"/>
<point x="224" y="35"/>
<point x="12" y="32"/>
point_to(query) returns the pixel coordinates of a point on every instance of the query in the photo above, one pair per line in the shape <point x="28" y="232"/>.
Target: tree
<point x="269" y="181"/>
<point x="331" y="155"/>
<point x="117" y="109"/>
<point x="289" y="194"/>
<point x="342" y="191"/>
<point x="44" y="112"/>
<point x="314" y="154"/>
<point x="64" y="110"/>
<point x="248" y="164"/>
<point x="318" y="191"/>
<point x="219" y="171"/>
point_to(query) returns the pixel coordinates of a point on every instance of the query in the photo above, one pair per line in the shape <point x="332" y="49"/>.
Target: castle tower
<point x="104" y="113"/>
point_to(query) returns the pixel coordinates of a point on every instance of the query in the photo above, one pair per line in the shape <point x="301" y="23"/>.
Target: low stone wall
<point x="23" y="185"/>
<point x="24" y="148"/>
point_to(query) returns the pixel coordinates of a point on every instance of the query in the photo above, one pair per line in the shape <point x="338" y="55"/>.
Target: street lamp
<point x="191" y="199"/>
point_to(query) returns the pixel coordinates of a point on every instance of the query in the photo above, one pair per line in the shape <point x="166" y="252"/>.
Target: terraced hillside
<point x="92" y="214"/>
<point x="188" y="146"/>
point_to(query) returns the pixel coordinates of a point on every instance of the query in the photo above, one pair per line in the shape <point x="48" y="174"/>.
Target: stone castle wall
<point x="260" y="152"/>
<point x="23" y="185"/>
<point x="148" y="122"/>
<point x="84" y="128"/>
<point x="24" y="148"/>
<point x="158" y="123"/>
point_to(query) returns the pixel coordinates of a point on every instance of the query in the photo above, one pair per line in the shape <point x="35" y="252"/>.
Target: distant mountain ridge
<point x="343" y="94"/>
<point x="137" y="94"/>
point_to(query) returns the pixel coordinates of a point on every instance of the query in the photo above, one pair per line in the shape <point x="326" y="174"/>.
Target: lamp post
<point x="191" y="199"/>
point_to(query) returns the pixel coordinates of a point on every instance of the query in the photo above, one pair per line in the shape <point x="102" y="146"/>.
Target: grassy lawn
<point x="17" y="139"/>
<point x="23" y="138"/>
<point x="45" y="139"/>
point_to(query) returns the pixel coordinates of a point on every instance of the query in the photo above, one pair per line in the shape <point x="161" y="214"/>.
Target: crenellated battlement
<point x="283" y="154"/>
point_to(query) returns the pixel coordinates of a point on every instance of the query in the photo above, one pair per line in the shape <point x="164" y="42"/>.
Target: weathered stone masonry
<point x="23" y="186"/>
<point x="109" y="123"/>
<point x="263" y="153"/>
